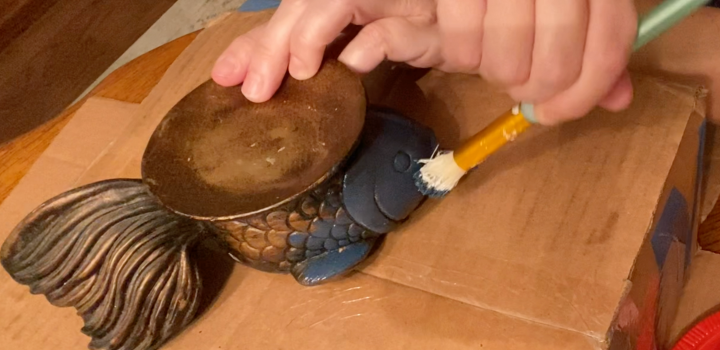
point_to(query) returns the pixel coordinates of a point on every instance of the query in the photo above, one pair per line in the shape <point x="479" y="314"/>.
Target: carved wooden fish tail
<point x="115" y="254"/>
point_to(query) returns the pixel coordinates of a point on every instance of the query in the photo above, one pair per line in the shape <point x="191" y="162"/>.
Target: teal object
<point x="650" y="26"/>
<point x="663" y="17"/>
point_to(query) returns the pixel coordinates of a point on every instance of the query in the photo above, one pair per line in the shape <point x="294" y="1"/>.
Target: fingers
<point x="560" y="32"/>
<point x="607" y="52"/>
<point x="509" y="31"/>
<point x="461" y="31"/>
<point x="322" y="24"/>
<point x="231" y="67"/>
<point x="334" y="49"/>
<point x="260" y="60"/>
<point x="270" y="54"/>
<point x="566" y="56"/>
<point x="395" y="38"/>
<point x="620" y="95"/>
<point x="324" y="20"/>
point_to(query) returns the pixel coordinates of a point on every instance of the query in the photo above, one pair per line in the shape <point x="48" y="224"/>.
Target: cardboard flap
<point x="547" y="229"/>
<point x="257" y="310"/>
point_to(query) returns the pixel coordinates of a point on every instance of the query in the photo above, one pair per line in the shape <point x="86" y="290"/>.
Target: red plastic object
<point x="703" y="336"/>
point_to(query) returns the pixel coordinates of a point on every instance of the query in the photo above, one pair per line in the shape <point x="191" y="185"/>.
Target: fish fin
<point x="333" y="263"/>
<point x="114" y="253"/>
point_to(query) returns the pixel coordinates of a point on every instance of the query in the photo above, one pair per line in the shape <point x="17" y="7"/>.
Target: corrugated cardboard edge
<point x="650" y="285"/>
<point x="710" y="185"/>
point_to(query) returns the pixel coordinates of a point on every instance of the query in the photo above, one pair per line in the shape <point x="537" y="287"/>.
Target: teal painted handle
<point x="650" y="26"/>
<point x="663" y="17"/>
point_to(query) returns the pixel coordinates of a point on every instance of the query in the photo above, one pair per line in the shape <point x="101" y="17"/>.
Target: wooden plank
<point x="59" y="55"/>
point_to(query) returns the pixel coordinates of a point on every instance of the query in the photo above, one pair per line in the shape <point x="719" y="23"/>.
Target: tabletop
<point x="132" y="83"/>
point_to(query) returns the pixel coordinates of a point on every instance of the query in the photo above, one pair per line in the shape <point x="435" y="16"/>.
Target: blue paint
<point x="674" y="225"/>
<point x="331" y="264"/>
<point x="258" y="5"/>
<point x="425" y="188"/>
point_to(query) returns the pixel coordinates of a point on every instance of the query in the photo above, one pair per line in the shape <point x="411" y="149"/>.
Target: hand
<point x="566" y="56"/>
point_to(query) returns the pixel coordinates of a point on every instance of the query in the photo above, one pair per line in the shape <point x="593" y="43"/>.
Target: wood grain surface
<point x="52" y="50"/>
<point x="16" y="16"/>
<point x="132" y="83"/>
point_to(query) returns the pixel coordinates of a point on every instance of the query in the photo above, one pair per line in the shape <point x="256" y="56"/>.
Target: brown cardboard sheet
<point x="363" y="312"/>
<point x="532" y="251"/>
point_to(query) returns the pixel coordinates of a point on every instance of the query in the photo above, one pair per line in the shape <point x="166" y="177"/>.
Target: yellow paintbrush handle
<point x="486" y="142"/>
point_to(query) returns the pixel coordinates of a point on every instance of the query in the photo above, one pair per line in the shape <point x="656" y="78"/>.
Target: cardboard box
<point x="686" y="53"/>
<point x="574" y="237"/>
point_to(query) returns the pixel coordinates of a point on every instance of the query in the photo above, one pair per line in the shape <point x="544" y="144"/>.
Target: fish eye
<point x="402" y="162"/>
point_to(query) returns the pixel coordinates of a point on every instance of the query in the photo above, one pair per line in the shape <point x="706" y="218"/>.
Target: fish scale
<point x="289" y="235"/>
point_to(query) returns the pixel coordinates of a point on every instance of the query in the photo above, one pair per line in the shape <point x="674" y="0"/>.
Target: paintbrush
<point x="440" y="174"/>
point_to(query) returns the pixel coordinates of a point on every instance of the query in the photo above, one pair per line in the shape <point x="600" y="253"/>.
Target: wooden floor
<point x="52" y="50"/>
<point x="183" y="17"/>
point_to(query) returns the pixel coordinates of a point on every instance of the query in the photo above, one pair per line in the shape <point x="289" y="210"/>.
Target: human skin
<point x="564" y="56"/>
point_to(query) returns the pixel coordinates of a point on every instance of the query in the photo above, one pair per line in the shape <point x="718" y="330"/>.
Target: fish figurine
<point x="305" y="184"/>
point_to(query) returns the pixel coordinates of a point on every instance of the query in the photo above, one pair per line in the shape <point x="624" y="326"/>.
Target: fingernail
<point x="540" y="116"/>
<point x="226" y="66"/>
<point x="346" y="58"/>
<point x="298" y="69"/>
<point x="360" y="62"/>
<point x="252" y="86"/>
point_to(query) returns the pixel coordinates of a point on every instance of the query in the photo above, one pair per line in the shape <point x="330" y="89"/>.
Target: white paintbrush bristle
<point x="441" y="174"/>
